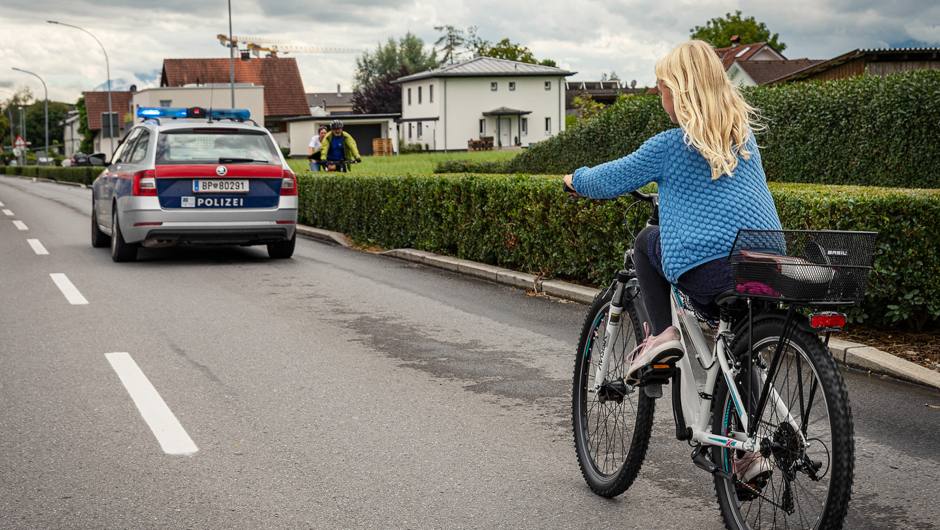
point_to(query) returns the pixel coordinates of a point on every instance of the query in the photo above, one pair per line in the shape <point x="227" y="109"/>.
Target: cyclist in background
<point x="711" y="184"/>
<point x="338" y="146"/>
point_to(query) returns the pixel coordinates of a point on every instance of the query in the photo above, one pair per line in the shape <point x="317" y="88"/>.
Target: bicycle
<point x="771" y="386"/>
<point x="337" y="165"/>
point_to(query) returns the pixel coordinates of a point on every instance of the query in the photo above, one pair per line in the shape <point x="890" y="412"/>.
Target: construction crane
<point x="276" y="46"/>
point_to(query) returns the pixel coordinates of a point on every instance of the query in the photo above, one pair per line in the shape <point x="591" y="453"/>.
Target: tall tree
<point x="382" y="97"/>
<point x="408" y="51"/>
<point x="718" y="32"/>
<point x="505" y="49"/>
<point x="36" y="122"/>
<point x="450" y="43"/>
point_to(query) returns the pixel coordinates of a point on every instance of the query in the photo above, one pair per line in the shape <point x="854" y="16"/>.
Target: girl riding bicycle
<point x="711" y="184"/>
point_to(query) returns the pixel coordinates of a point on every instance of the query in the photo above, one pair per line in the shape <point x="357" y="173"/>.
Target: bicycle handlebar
<point x="647" y="197"/>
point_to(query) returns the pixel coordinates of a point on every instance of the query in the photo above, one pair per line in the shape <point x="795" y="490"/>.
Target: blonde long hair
<point x="715" y="118"/>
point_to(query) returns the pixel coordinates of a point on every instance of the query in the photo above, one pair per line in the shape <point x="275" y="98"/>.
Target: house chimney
<point x="338" y="93"/>
<point x="735" y="41"/>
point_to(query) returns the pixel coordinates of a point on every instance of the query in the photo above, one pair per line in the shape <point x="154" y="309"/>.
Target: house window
<point x="548" y="85"/>
<point x="166" y="103"/>
<point x="409" y="97"/>
<point x="524" y="125"/>
<point x="548" y="126"/>
<point x="512" y="86"/>
<point x="419" y="102"/>
<point x="410" y="125"/>
<point x="420" y="127"/>
<point x="430" y="93"/>
<point x="110" y="128"/>
<point x="493" y="86"/>
<point x="482" y="127"/>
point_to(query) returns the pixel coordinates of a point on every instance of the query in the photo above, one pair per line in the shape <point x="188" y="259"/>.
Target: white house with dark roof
<point x="512" y="102"/>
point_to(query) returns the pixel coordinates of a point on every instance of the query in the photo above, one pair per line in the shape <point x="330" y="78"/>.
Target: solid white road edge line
<point x="37" y="247"/>
<point x="8" y="212"/>
<point x="171" y="435"/>
<point x="70" y="291"/>
<point x="21" y="225"/>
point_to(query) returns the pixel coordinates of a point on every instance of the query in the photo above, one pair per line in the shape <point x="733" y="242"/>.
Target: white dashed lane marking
<point x="37" y="247"/>
<point x="21" y="225"/>
<point x="71" y="293"/>
<point x="168" y="430"/>
<point x="8" y="213"/>
<point x="2" y="205"/>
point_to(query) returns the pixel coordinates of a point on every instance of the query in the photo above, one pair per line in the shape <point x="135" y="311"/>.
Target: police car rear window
<point x="208" y="145"/>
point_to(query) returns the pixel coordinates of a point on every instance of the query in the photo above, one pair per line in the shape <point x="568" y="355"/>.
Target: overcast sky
<point x="590" y="37"/>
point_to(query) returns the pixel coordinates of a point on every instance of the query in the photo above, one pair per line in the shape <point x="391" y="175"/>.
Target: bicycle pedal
<point x="656" y="374"/>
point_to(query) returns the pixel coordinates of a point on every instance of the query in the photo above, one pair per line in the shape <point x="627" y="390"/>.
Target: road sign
<point x="20" y="142"/>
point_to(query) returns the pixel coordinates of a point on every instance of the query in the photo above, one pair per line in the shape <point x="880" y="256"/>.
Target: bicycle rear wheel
<point x="612" y="426"/>
<point x="810" y="455"/>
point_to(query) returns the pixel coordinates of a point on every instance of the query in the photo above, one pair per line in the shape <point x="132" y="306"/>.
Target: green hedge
<point x="84" y="175"/>
<point x="525" y="223"/>
<point x="866" y="131"/>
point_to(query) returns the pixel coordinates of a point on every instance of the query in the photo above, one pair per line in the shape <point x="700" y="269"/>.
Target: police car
<point x="192" y="176"/>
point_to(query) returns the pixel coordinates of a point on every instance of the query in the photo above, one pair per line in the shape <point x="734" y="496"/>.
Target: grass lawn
<point x="415" y="164"/>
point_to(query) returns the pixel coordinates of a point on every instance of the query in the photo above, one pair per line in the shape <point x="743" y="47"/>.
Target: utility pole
<point x="231" y="51"/>
<point x="46" y="151"/>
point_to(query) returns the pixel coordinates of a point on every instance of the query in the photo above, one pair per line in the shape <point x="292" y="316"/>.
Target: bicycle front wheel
<point x="612" y="426"/>
<point x="803" y="474"/>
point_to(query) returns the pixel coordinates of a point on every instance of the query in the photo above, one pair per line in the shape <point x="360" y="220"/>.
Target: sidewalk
<point x="847" y="353"/>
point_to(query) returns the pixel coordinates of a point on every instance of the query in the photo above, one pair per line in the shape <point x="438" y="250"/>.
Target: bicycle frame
<point x="693" y="408"/>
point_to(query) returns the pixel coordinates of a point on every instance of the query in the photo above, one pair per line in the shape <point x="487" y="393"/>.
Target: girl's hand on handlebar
<point x="568" y="187"/>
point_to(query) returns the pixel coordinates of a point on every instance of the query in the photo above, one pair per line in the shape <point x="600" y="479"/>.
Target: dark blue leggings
<point x="701" y="284"/>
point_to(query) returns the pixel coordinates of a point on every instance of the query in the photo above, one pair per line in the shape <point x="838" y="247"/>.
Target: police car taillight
<point x="145" y="183"/>
<point x="289" y="184"/>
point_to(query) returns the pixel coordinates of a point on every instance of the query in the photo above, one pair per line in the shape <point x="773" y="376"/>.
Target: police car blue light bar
<point x="161" y="112"/>
<point x="193" y="112"/>
<point x="230" y="114"/>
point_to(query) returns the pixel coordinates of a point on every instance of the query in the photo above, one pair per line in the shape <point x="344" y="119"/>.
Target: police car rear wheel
<point x="120" y="249"/>
<point x="282" y="249"/>
<point x="98" y="238"/>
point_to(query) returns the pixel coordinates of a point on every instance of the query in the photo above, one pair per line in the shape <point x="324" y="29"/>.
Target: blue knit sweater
<point x="699" y="217"/>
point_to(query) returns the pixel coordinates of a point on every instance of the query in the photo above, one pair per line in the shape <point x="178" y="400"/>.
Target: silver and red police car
<point x="191" y="176"/>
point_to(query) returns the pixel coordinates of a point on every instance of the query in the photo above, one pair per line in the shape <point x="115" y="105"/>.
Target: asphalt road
<point x="335" y="389"/>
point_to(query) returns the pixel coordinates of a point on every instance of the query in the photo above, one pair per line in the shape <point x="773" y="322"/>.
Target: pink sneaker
<point x="664" y="348"/>
<point x="750" y="467"/>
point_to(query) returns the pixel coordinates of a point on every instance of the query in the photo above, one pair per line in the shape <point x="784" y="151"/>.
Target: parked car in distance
<point x="209" y="179"/>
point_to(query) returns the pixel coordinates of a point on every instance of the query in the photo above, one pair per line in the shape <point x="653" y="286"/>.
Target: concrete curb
<point x="847" y="353"/>
<point x="40" y="179"/>
<point x="323" y="235"/>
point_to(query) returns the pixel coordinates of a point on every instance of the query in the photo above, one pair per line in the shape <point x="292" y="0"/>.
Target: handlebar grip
<point x="642" y="196"/>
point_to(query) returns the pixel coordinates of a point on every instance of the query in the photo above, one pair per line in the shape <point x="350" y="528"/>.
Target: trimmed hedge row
<point x="83" y="175"/>
<point x="866" y="131"/>
<point x="525" y="223"/>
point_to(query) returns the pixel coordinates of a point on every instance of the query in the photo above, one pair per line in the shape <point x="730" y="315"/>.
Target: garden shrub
<point x="866" y="131"/>
<point x="525" y="223"/>
<point x="83" y="175"/>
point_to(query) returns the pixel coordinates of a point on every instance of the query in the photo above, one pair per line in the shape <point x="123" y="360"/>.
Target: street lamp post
<point x="108" y="66"/>
<point x="46" y="151"/>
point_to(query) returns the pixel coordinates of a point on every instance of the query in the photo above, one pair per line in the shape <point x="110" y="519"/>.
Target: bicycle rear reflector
<point x="827" y="319"/>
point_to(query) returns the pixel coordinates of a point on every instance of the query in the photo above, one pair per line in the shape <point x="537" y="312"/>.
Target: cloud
<point x="589" y="36"/>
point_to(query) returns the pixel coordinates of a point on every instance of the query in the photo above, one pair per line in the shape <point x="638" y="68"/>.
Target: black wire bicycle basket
<point x="825" y="266"/>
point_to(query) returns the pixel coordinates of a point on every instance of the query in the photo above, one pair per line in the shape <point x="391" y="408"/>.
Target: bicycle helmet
<point x="336" y="124"/>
